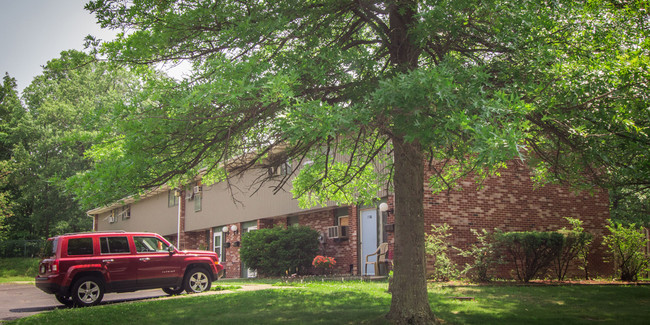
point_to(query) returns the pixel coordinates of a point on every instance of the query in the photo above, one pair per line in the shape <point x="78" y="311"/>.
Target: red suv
<point x="84" y="266"/>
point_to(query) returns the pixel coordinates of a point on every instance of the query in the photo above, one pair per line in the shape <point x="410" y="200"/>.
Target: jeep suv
<point x="84" y="266"/>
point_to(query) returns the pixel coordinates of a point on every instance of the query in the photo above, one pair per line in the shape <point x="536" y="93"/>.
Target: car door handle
<point x="108" y="261"/>
<point x="145" y="259"/>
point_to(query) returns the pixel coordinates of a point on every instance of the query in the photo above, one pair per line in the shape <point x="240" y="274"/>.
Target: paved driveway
<point x="22" y="300"/>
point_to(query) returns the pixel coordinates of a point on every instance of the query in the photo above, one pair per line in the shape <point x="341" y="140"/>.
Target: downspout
<point x="178" y="227"/>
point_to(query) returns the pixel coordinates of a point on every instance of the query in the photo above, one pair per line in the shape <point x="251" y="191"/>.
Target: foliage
<point x="437" y="246"/>
<point x="531" y="252"/>
<point x="627" y="244"/>
<point x="274" y="251"/>
<point x="22" y="248"/>
<point x="354" y="302"/>
<point x="10" y="111"/>
<point x="323" y="262"/>
<point x="18" y="269"/>
<point x="575" y="244"/>
<point x="66" y="107"/>
<point x="340" y="87"/>
<point x="484" y="255"/>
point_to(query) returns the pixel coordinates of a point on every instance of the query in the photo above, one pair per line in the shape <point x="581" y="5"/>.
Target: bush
<point x="575" y="244"/>
<point x="22" y="248"/>
<point x="626" y="244"/>
<point x="530" y="251"/>
<point x="437" y="247"/>
<point x="276" y="251"/>
<point x="484" y="255"/>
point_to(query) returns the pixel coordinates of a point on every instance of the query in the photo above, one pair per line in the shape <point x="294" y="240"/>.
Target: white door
<point x="218" y="244"/>
<point x="369" y="241"/>
<point x="250" y="273"/>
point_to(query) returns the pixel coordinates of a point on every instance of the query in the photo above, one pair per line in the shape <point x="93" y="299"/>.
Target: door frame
<point x="362" y="240"/>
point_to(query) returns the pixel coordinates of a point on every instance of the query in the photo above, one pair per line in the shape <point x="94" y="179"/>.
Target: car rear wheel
<point x="173" y="291"/>
<point x="64" y="300"/>
<point x="197" y="280"/>
<point x="87" y="291"/>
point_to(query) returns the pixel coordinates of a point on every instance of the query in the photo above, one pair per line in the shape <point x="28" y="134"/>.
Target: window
<point x="172" y="199"/>
<point x="344" y="221"/>
<point x="198" y="197"/>
<point x="293" y="221"/>
<point x="150" y="245"/>
<point x="126" y="212"/>
<point x="114" y="245"/>
<point x="80" y="246"/>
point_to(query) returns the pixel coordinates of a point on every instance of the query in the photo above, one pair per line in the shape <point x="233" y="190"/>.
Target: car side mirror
<point x="171" y="250"/>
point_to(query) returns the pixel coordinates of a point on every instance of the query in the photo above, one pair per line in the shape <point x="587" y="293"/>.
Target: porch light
<point x="383" y="207"/>
<point x="224" y="229"/>
<point x="233" y="228"/>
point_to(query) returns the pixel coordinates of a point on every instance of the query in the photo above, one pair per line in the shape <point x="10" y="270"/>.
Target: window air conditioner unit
<point x="337" y="232"/>
<point x="111" y="219"/>
<point x="197" y="189"/>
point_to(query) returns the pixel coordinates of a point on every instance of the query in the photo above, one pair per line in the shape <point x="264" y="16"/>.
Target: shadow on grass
<point x="288" y="306"/>
<point x="542" y="305"/>
<point x="367" y="303"/>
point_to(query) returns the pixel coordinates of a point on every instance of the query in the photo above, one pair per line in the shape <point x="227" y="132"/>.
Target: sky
<point x="32" y="32"/>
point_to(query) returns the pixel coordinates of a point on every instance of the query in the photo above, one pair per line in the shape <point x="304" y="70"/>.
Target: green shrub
<point x="575" y="244"/>
<point x="484" y="256"/>
<point x="274" y="251"/>
<point x="626" y="244"/>
<point x="437" y="247"/>
<point x="531" y="252"/>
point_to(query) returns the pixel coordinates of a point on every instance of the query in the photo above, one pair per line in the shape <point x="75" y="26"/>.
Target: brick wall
<point x="344" y="251"/>
<point x="198" y="240"/>
<point x="512" y="203"/>
<point x="509" y="202"/>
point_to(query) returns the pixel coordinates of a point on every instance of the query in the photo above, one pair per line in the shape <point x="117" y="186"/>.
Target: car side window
<point x="114" y="245"/>
<point x="80" y="246"/>
<point x="150" y="245"/>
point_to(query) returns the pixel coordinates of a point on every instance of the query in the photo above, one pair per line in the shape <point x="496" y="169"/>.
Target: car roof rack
<point x="94" y="232"/>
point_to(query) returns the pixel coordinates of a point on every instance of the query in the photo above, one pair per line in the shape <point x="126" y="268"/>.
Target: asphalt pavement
<point x="18" y="300"/>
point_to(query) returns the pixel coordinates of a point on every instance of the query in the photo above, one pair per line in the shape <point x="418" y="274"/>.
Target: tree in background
<point x="11" y="110"/>
<point x="65" y="109"/>
<point x="348" y="88"/>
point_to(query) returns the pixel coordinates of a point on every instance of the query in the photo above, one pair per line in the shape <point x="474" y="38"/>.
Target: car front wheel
<point x="197" y="281"/>
<point x="87" y="291"/>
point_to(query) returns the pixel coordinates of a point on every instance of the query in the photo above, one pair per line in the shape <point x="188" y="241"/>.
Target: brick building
<point x="215" y="217"/>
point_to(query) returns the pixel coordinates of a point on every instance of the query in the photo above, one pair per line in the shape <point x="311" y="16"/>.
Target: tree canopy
<point x="345" y="87"/>
<point x="65" y="109"/>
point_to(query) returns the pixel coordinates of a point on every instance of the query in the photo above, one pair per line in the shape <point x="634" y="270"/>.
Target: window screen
<point x="114" y="245"/>
<point x="80" y="246"/>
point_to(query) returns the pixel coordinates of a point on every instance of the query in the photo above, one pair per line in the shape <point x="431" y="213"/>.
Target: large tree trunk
<point x="410" y="303"/>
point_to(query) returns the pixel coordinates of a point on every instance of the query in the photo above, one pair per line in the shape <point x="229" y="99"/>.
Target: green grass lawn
<point x="367" y="303"/>
<point x="15" y="269"/>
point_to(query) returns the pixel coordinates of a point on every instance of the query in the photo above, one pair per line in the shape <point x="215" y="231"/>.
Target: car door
<point x="117" y="258"/>
<point x="156" y="268"/>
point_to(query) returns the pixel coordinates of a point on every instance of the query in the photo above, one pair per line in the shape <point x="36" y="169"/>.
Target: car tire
<point x="64" y="300"/>
<point x="87" y="291"/>
<point x="197" y="281"/>
<point x="173" y="291"/>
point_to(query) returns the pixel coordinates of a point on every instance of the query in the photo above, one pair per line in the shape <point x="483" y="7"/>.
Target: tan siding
<point x="219" y="206"/>
<point x="150" y="214"/>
